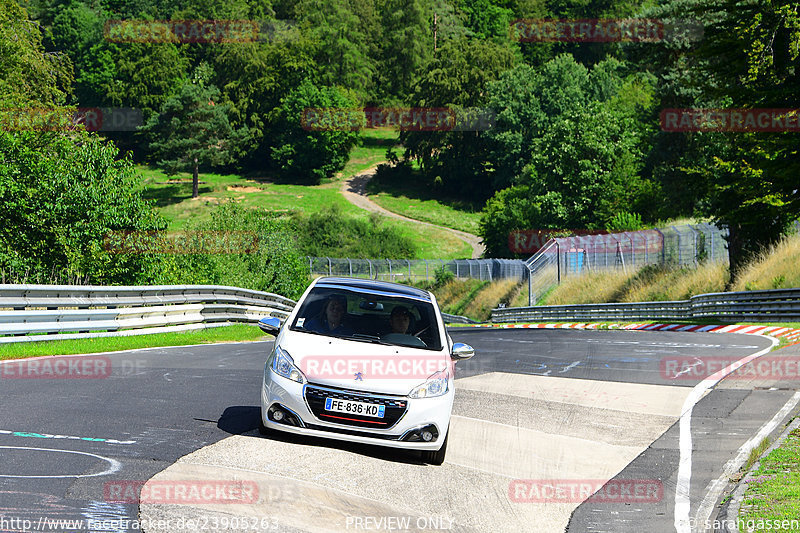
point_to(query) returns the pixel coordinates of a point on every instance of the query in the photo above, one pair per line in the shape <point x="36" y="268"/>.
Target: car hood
<point x="362" y="366"/>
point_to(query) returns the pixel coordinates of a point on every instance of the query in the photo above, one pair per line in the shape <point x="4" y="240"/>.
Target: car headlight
<point x="436" y="385"/>
<point x="283" y="365"/>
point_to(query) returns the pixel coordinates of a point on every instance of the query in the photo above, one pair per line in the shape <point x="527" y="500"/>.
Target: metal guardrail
<point x="760" y="306"/>
<point x="71" y="311"/>
<point x="57" y="312"/>
<point x="457" y="319"/>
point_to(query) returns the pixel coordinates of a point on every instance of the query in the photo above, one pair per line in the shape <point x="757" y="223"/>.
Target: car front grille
<point x="315" y="398"/>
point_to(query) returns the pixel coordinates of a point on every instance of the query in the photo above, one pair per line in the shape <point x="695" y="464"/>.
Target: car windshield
<point x="367" y="317"/>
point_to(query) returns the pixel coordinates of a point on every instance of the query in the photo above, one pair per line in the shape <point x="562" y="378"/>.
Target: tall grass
<point x="650" y="283"/>
<point x="776" y="268"/>
<point x="489" y="297"/>
<point x="593" y="287"/>
<point x="455" y="291"/>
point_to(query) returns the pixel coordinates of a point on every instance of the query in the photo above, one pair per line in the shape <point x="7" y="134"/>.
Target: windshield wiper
<point x="367" y="338"/>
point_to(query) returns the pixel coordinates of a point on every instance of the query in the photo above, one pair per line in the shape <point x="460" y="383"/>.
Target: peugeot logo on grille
<point x="359" y="376"/>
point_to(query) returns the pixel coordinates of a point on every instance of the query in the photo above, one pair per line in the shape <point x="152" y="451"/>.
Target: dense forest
<point x="576" y="140"/>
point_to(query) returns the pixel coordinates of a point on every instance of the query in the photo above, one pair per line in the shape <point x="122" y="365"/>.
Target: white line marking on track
<point x="114" y="465"/>
<point x="682" y="487"/>
<point x="716" y="486"/>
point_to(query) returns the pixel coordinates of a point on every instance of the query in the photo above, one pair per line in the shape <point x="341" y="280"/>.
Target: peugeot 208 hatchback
<point x="363" y="361"/>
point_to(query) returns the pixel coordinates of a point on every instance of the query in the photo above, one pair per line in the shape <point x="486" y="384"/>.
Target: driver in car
<point x="332" y="318"/>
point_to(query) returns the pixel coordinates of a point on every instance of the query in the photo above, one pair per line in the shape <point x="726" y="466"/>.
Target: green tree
<point x="753" y="53"/>
<point x="192" y="129"/>
<point x="61" y="196"/>
<point x="527" y="101"/>
<point x="407" y="45"/>
<point x="456" y="78"/>
<point x="29" y="76"/>
<point x="342" y="49"/>
<point x="308" y="154"/>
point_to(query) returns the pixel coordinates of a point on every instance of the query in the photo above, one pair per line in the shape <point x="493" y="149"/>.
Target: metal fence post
<point x="680" y="254"/>
<point x="530" y="286"/>
<point x="694" y="234"/>
<point x="350" y="263"/>
<point x="558" y="262"/>
<point x="426" y="269"/>
<point x="663" y="246"/>
<point x="330" y="272"/>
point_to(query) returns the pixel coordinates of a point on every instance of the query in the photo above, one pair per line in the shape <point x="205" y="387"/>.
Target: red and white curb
<point x="789" y="334"/>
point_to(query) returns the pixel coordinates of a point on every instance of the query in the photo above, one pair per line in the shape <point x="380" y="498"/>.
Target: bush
<point x="267" y="258"/>
<point x="330" y="233"/>
<point x="441" y="277"/>
<point x="60" y="197"/>
<point x="624" y="221"/>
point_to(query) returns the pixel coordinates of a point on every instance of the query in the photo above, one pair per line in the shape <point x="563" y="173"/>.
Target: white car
<point x="363" y="361"/>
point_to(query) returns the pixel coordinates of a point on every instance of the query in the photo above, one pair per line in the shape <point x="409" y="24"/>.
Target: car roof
<point x="374" y="286"/>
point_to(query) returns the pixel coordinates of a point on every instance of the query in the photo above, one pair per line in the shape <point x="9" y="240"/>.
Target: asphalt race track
<point x="540" y="416"/>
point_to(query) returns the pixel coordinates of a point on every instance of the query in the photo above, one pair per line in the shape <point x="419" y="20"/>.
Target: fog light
<point x="277" y="415"/>
<point x="427" y="436"/>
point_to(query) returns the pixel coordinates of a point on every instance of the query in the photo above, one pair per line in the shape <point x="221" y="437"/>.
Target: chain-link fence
<point x="684" y="245"/>
<point x="418" y="269"/>
<point x="679" y="245"/>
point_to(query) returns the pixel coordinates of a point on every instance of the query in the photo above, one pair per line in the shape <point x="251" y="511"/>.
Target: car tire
<point x="437" y="457"/>
<point x="262" y="429"/>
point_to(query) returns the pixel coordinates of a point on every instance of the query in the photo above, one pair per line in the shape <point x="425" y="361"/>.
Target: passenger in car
<point x="332" y="318"/>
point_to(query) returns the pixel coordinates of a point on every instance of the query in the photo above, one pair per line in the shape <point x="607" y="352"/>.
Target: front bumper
<point x="422" y="412"/>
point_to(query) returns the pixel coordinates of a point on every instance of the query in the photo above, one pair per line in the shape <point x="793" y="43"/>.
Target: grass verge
<point x="774" y="493"/>
<point x="400" y="190"/>
<point x="238" y="332"/>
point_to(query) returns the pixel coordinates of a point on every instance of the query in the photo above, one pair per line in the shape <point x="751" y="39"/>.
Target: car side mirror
<point x="461" y="351"/>
<point x="270" y="325"/>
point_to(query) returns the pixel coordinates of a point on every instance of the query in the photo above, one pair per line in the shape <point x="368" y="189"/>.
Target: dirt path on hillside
<point x="354" y="190"/>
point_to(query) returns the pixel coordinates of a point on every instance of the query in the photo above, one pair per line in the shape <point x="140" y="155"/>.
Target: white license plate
<point x="355" y="408"/>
